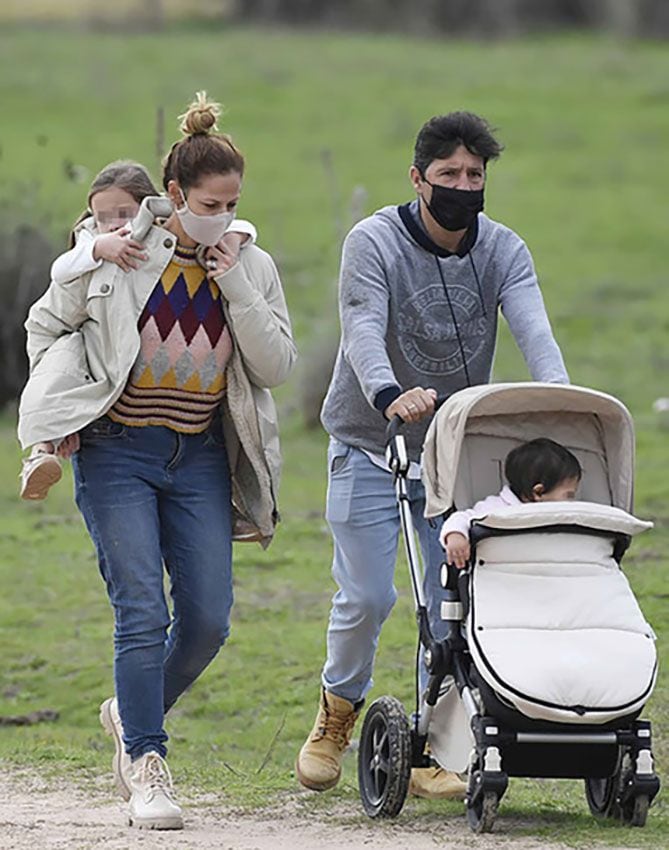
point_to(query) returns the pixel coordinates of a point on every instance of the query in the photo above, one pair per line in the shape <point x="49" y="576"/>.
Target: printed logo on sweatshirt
<point x="428" y="336"/>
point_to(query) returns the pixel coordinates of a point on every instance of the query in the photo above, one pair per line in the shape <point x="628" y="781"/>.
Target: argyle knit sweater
<point x="178" y="379"/>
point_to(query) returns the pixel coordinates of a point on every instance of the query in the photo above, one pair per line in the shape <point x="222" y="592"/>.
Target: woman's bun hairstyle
<point x="200" y="117"/>
<point x="202" y="149"/>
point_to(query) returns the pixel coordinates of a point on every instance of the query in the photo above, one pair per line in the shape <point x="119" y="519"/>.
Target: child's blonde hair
<point x="125" y="174"/>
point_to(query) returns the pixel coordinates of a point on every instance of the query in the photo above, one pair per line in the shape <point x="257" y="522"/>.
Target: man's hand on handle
<point x="413" y="405"/>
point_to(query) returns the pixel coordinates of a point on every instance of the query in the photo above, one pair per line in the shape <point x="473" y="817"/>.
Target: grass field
<point x="584" y="180"/>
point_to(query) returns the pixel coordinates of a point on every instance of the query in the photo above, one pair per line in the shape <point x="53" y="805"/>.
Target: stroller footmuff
<point x="549" y="660"/>
<point x="553" y="625"/>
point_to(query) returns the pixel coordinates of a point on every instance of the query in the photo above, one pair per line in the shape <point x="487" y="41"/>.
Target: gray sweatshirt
<point x="410" y="318"/>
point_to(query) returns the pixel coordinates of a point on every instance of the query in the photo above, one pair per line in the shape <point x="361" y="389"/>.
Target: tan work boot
<point x="318" y="765"/>
<point x="435" y="783"/>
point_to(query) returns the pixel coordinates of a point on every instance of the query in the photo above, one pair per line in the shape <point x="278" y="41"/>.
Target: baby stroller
<point x="548" y="660"/>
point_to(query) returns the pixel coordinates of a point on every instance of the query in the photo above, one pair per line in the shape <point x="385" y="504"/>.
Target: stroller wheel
<point x="635" y="812"/>
<point x="384" y="758"/>
<point x="481" y="813"/>
<point x="631" y="808"/>
<point x="602" y="794"/>
<point x="484" y="791"/>
<point x="620" y="796"/>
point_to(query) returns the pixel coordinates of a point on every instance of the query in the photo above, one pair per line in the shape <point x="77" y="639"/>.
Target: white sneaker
<point x="121" y="763"/>
<point x="151" y="803"/>
<point x="40" y="471"/>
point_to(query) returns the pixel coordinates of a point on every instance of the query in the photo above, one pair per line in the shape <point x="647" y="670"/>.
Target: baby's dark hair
<point x="541" y="461"/>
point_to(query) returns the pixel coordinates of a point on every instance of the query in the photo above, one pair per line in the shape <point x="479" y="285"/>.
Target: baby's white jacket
<point x="461" y="520"/>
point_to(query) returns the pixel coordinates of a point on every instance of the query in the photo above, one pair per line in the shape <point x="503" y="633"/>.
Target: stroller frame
<point x="615" y="760"/>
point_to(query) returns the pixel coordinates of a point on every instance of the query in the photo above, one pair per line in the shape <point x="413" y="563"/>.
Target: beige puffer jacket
<point x="83" y="342"/>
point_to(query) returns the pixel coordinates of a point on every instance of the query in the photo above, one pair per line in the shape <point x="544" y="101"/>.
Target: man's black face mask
<point x="454" y="209"/>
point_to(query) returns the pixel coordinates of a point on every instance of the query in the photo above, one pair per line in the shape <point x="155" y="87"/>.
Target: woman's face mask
<point x="203" y="229"/>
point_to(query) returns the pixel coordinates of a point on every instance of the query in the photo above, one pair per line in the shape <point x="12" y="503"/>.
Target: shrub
<point x="26" y="255"/>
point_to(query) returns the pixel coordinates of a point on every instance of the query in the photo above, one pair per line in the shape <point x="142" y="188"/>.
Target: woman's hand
<point x="222" y="257"/>
<point x="413" y="405"/>
<point x="457" y="549"/>
<point x="119" y="248"/>
<point x="69" y="446"/>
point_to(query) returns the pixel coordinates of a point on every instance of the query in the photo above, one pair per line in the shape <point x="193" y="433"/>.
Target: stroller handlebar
<point x="396" y="450"/>
<point x="395" y="425"/>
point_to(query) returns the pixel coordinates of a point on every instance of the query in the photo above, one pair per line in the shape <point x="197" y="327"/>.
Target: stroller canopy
<point x="473" y="431"/>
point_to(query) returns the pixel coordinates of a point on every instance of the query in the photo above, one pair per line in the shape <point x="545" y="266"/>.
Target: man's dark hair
<point x="540" y="461"/>
<point x="439" y="138"/>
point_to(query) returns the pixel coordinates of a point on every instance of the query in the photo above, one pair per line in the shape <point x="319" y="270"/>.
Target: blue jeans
<point x="363" y="515"/>
<point x="151" y="496"/>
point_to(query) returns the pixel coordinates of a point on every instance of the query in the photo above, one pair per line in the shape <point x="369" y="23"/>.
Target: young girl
<point x="102" y="234"/>
<point x="538" y="471"/>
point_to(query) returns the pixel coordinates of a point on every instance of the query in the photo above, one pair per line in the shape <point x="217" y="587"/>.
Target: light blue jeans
<point x="363" y="515"/>
<point x="154" y="499"/>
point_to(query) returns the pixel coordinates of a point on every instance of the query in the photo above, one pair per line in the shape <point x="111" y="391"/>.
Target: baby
<point x="538" y="471"/>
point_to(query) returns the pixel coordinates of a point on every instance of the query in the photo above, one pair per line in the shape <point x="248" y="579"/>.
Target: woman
<point x="177" y="432"/>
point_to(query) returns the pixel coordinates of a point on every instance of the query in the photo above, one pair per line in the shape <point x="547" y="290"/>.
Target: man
<point x="421" y="286"/>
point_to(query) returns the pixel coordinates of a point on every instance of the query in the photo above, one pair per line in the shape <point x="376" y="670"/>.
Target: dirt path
<point x="34" y="815"/>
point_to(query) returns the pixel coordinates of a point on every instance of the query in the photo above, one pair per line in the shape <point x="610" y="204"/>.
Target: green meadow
<point x="325" y="120"/>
